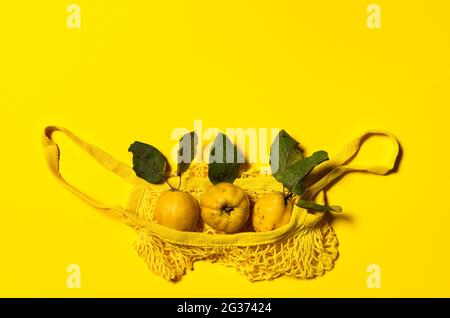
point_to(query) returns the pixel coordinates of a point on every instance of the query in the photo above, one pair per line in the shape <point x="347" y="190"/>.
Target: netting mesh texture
<point x="307" y="253"/>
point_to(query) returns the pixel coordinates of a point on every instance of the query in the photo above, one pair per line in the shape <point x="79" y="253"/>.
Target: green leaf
<point x="187" y="151"/>
<point x="294" y="175"/>
<point x="311" y="205"/>
<point x="284" y="151"/>
<point x="148" y="163"/>
<point x="224" y="160"/>
<point x="289" y="165"/>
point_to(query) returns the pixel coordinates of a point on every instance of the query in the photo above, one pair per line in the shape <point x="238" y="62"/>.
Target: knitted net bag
<point x="304" y="248"/>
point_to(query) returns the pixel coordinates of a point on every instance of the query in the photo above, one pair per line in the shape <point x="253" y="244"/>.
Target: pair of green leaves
<point x="150" y="164"/>
<point x="291" y="168"/>
<point x="288" y="164"/>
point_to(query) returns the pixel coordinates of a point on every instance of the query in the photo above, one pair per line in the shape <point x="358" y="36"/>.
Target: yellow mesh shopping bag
<point x="304" y="248"/>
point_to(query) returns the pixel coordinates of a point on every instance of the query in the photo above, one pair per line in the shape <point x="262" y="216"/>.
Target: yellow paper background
<point x="136" y="72"/>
